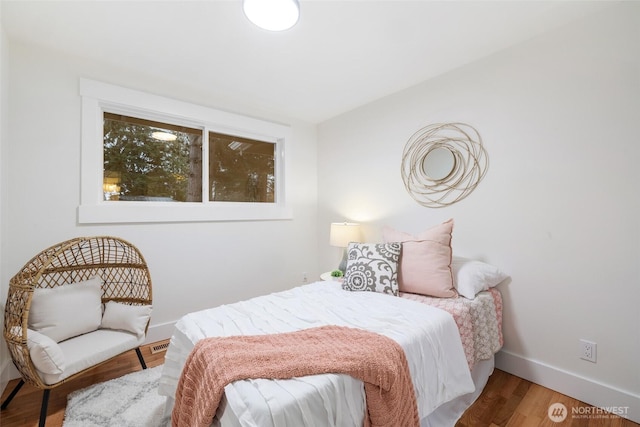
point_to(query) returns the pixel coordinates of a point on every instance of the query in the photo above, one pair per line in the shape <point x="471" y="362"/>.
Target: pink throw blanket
<point x="375" y="359"/>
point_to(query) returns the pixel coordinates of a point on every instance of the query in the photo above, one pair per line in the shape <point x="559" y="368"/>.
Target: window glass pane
<point x="151" y="161"/>
<point x="241" y="169"/>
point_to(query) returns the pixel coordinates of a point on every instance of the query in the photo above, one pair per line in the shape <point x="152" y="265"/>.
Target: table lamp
<point x="343" y="233"/>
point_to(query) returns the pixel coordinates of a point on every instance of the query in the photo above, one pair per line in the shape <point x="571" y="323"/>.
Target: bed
<point x="449" y="344"/>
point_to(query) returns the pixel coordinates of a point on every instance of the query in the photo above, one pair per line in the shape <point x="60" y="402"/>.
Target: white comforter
<point x="429" y="337"/>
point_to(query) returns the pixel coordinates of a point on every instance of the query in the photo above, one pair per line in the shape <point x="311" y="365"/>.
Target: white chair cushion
<point x="124" y="317"/>
<point x="68" y="310"/>
<point x="87" y="350"/>
<point x="46" y="354"/>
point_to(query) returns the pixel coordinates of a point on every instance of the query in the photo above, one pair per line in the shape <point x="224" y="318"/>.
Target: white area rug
<point x="128" y="401"/>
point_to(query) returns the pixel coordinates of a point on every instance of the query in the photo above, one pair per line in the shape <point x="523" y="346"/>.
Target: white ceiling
<point x="340" y="55"/>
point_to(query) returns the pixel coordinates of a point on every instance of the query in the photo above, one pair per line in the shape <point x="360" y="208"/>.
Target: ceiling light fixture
<point x="272" y="15"/>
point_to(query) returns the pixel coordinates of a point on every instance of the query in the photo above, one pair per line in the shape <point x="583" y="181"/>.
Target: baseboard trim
<point x="159" y="332"/>
<point x="584" y="389"/>
<point x="6" y="373"/>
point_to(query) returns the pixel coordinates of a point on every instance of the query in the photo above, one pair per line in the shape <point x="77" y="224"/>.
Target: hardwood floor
<point x="511" y="401"/>
<point x="506" y="400"/>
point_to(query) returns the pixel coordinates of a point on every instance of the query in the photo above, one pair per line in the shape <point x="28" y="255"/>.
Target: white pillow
<point x="124" y="317"/>
<point x="46" y="354"/>
<point x="471" y="277"/>
<point x="68" y="310"/>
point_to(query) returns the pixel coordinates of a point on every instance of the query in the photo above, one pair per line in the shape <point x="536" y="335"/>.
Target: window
<point x="241" y="169"/>
<point x="147" y="158"/>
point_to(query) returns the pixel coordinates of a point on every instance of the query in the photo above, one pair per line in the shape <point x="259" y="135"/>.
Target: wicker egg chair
<point x="118" y="263"/>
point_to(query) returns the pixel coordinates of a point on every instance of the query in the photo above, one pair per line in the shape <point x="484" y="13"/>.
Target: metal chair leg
<point x="43" y="409"/>
<point x="140" y="358"/>
<point x="15" y="391"/>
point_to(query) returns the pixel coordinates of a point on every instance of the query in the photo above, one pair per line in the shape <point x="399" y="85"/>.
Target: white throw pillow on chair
<point x="68" y="310"/>
<point x="124" y="317"/>
<point x="46" y="354"/>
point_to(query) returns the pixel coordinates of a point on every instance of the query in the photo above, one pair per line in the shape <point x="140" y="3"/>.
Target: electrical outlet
<point x="305" y="279"/>
<point x="588" y="350"/>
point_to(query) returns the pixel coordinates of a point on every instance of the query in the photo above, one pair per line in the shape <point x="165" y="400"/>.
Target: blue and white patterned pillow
<point x="372" y="267"/>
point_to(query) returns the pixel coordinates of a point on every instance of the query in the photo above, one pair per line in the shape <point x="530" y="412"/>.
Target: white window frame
<point x="98" y="97"/>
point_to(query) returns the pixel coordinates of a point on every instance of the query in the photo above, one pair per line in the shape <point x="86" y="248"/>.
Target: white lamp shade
<point x="272" y="15"/>
<point x="342" y="233"/>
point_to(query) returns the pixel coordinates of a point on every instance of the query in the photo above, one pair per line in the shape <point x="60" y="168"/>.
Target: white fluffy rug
<point x="128" y="401"/>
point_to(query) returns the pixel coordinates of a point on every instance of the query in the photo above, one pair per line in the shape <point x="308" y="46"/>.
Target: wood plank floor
<point x="506" y="400"/>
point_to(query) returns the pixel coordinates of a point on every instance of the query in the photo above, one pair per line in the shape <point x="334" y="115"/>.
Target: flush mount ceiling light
<point x="272" y="15"/>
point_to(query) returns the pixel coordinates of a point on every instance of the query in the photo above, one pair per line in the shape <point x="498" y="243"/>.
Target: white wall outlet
<point x="305" y="279"/>
<point x="588" y="350"/>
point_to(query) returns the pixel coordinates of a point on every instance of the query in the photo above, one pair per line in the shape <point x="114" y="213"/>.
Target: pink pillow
<point x="425" y="262"/>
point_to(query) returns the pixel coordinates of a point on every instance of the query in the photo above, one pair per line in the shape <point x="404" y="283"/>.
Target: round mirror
<point x="438" y="163"/>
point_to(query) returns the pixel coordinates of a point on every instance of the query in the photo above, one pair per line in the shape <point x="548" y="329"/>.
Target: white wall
<point x="4" y="352"/>
<point x="558" y="210"/>
<point x="193" y="265"/>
